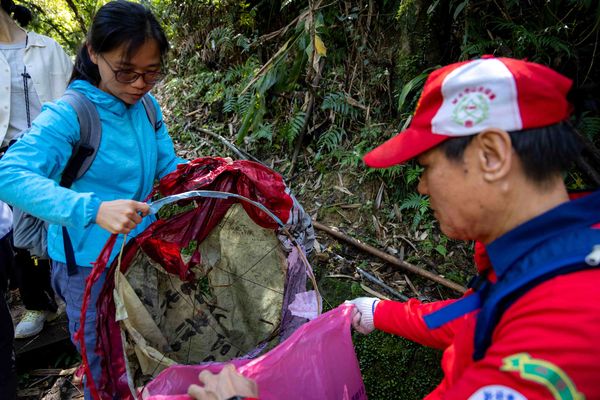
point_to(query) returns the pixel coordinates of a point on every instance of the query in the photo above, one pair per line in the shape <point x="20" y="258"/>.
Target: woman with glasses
<point x="119" y="63"/>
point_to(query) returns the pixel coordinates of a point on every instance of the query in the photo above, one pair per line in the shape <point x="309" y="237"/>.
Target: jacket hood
<point x="101" y="98"/>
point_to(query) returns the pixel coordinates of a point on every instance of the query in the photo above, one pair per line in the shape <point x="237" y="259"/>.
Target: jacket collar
<point x="515" y="244"/>
<point x="100" y="98"/>
<point x="33" y="39"/>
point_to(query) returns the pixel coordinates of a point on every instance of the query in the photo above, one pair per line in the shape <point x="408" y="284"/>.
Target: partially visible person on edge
<point x="493" y="137"/>
<point x="8" y="373"/>
<point x="119" y="63"/>
<point x="34" y="69"/>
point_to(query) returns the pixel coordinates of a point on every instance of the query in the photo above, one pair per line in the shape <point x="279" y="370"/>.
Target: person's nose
<point x="139" y="83"/>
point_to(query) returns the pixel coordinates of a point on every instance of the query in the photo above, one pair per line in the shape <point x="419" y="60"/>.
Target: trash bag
<point x="317" y="362"/>
<point x="211" y="280"/>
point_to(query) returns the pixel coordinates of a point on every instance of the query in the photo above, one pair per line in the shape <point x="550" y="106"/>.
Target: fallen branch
<point x="391" y="259"/>
<point x="377" y="281"/>
<point x="52" y="372"/>
<point x="264" y="38"/>
<point x="340" y="276"/>
<point x="374" y="292"/>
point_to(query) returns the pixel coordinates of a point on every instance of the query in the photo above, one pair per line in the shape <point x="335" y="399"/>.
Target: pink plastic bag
<point x="316" y="362"/>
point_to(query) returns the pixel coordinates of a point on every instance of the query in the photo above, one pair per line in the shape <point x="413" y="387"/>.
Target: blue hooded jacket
<point x="131" y="157"/>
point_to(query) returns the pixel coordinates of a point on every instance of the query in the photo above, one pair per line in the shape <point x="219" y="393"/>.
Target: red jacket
<point x="557" y="322"/>
<point x="545" y="345"/>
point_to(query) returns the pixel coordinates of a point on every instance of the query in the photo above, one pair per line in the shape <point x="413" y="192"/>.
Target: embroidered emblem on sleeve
<point x="544" y="373"/>
<point x="497" y="392"/>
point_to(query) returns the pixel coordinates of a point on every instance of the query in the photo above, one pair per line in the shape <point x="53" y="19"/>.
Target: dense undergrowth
<point x="308" y="86"/>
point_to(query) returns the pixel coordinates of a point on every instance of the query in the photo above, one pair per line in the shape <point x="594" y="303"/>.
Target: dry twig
<point x="392" y="260"/>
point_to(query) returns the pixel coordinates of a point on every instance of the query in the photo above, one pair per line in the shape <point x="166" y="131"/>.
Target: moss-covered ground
<point x="392" y="367"/>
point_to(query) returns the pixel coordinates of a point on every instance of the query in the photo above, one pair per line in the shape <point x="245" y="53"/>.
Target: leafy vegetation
<point x="311" y="86"/>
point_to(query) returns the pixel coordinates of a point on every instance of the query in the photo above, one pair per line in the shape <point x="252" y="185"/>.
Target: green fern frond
<point x="293" y="127"/>
<point x="264" y="131"/>
<point x="244" y="102"/>
<point x="589" y="126"/>
<point x="415" y="201"/>
<point x="242" y="42"/>
<point x="419" y="204"/>
<point x="413" y="174"/>
<point x="221" y="39"/>
<point x="331" y="139"/>
<point x="339" y="104"/>
<point x="230" y="102"/>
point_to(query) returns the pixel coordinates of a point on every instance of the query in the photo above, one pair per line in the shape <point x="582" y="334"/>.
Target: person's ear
<point x="92" y="53"/>
<point x="495" y="154"/>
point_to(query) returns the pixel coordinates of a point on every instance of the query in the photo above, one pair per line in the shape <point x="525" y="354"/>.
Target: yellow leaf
<point x="320" y="46"/>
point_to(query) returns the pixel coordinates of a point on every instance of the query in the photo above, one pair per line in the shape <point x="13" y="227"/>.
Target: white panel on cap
<point x="478" y="95"/>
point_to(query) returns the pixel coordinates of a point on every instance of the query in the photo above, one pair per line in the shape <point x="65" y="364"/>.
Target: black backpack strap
<point x="90" y="133"/>
<point x="82" y="157"/>
<point x="69" y="252"/>
<point x="151" y="112"/>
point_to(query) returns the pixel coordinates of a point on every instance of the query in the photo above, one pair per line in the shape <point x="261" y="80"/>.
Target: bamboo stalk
<point x="391" y="259"/>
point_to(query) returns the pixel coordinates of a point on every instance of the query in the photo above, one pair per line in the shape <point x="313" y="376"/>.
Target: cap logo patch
<point x="472" y="105"/>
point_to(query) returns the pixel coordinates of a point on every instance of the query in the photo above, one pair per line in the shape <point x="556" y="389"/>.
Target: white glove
<point x="362" y="318"/>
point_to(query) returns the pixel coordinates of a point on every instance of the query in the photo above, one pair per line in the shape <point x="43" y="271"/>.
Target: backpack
<point x="30" y="233"/>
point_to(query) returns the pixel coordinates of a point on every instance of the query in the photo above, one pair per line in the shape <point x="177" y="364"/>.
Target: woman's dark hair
<point x="118" y="23"/>
<point x="544" y="152"/>
<point x="19" y="13"/>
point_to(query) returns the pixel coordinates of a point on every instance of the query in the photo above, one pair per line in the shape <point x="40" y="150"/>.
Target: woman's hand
<point x="121" y="216"/>
<point x="226" y="384"/>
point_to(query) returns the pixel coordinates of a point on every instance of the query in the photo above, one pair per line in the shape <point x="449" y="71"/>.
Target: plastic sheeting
<point x="317" y="362"/>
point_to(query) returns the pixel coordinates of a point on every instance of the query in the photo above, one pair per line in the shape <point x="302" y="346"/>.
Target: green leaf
<point x="441" y="249"/>
<point x="406" y="89"/>
<point x="432" y="7"/>
<point x="459" y="8"/>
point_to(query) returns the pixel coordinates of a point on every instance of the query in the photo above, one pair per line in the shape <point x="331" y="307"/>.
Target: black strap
<point x="69" y="253"/>
<point x="26" y="76"/>
<point x="67" y="179"/>
<point x="74" y="164"/>
<point x="151" y="112"/>
<point x="477" y="281"/>
<point x="84" y="153"/>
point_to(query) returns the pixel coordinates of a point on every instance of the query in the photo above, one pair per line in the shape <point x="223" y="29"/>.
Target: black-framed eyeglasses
<point x="130" y="76"/>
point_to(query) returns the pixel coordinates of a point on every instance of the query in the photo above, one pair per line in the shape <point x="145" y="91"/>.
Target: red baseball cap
<point x="465" y="98"/>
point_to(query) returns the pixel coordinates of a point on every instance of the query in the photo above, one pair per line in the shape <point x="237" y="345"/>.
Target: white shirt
<point x="18" y="120"/>
<point x="50" y="69"/>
